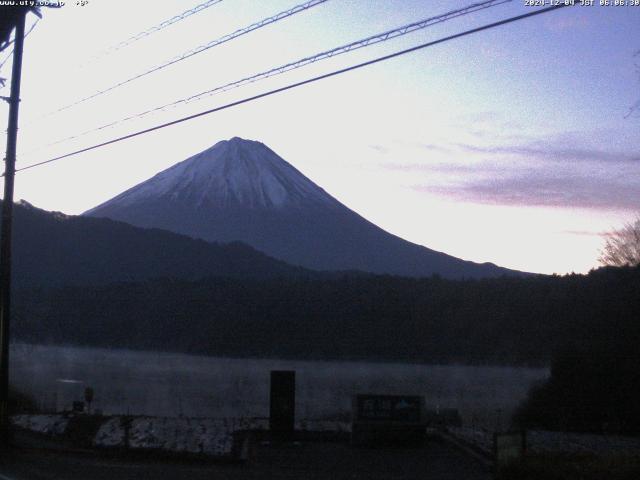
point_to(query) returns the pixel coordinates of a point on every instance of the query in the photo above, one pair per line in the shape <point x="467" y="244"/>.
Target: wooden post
<point x="5" y="242"/>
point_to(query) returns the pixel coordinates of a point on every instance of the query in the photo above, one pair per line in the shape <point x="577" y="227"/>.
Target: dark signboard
<point x="282" y="402"/>
<point x="388" y="408"/>
<point x="88" y="394"/>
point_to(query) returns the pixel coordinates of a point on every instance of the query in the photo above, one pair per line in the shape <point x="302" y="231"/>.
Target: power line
<point x="156" y="28"/>
<point x="199" y="49"/>
<point x="25" y="36"/>
<point x="162" y="25"/>
<point x="368" y="41"/>
<point x="6" y="59"/>
<point x="299" y="84"/>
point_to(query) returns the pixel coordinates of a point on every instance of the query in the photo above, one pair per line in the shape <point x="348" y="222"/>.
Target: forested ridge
<point x="517" y="321"/>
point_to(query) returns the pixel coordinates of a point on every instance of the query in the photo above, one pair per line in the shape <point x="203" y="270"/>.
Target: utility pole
<point x="5" y="241"/>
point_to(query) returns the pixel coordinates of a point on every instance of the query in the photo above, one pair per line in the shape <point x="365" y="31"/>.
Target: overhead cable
<point x="157" y="28"/>
<point x="149" y="31"/>
<point x="33" y="25"/>
<point x="298" y="84"/>
<point x="368" y="41"/>
<point x="199" y="49"/>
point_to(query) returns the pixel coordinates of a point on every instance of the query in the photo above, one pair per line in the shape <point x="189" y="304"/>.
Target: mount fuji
<point x="240" y="190"/>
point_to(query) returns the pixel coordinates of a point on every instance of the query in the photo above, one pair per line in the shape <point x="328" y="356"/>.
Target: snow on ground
<point x="477" y="437"/>
<point x="110" y="433"/>
<point x="208" y="436"/>
<point x="50" y="424"/>
<point x="552" y="442"/>
<point x="194" y="435"/>
<point x="215" y="436"/>
<point x="539" y="442"/>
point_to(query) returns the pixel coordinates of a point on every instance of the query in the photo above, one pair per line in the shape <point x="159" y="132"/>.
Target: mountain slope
<point x="240" y="190"/>
<point x="55" y="249"/>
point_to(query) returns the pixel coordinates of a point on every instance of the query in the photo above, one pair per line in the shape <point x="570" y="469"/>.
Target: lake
<point x="169" y="384"/>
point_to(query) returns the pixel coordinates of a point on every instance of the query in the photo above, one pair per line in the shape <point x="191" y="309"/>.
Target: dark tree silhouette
<point x="622" y="247"/>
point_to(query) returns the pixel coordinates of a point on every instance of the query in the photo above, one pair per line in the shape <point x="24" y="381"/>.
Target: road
<point x="306" y="460"/>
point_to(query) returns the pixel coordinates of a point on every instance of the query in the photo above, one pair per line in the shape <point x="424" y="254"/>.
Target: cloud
<point x="404" y="145"/>
<point x="596" y="169"/>
<point x="545" y="174"/>
<point x="585" y="233"/>
<point x="431" y="147"/>
<point x="544" y="189"/>
<point x="491" y="124"/>
<point x="457" y="169"/>
<point x="553" y="152"/>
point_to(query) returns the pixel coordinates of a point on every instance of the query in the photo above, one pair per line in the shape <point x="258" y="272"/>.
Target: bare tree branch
<point x="622" y="247"/>
<point x="635" y="108"/>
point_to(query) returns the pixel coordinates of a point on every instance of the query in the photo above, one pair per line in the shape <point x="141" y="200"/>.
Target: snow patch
<point x="540" y="442"/>
<point x="207" y="436"/>
<point x="233" y="172"/>
<point x="110" y="434"/>
<point x="49" y="424"/>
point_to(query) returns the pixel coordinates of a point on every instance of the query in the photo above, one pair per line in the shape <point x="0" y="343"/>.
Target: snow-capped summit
<point x="240" y="190"/>
<point x="232" y="173"/>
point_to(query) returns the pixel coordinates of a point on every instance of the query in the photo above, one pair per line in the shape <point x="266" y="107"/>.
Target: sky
<point x="515" y="145"/>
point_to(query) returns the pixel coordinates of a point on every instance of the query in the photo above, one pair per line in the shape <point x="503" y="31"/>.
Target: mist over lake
<point x="168" y="384"/>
